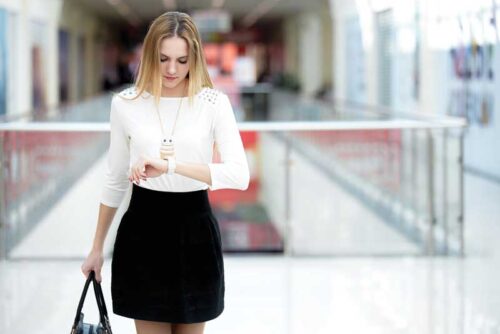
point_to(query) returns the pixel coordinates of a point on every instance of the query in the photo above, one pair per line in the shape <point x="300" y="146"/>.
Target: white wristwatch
<point x="171" y="165"/>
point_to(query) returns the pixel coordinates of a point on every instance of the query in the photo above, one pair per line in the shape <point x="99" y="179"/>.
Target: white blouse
<point x="135" y="130"/>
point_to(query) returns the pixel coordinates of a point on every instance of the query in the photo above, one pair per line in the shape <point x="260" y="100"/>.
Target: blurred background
<point x="371" y="131"/>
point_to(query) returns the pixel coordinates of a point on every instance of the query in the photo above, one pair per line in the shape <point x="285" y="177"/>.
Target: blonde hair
<point x="167" y="25"/>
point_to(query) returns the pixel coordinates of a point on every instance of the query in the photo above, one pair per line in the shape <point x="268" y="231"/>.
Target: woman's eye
<point x="182" y="62"/>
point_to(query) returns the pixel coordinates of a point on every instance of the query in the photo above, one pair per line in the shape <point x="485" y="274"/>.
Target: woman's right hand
<point x="94" y="261"/>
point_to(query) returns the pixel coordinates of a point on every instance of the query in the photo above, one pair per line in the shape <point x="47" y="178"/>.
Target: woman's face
<point x="173" y="61"/>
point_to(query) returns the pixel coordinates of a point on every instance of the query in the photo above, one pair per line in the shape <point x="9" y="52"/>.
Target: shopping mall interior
<point x="369" y="128"/>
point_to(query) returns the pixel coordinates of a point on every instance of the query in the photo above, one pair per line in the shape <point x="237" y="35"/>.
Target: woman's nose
<point x="171" y="68"/>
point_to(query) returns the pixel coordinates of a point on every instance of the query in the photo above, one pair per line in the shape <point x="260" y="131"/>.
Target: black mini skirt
<point x="167" y="262"/>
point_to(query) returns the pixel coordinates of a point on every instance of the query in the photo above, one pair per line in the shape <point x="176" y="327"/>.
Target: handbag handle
<point x="103" y="313"/>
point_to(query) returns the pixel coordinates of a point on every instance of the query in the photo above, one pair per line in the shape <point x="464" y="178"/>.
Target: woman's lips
<point x="170" y="78"/>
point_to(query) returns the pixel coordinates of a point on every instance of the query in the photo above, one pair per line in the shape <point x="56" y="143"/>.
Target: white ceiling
<point x="145" y="10"/>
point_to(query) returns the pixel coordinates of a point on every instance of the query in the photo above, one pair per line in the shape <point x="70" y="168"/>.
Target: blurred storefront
<point x="437" y="57"/>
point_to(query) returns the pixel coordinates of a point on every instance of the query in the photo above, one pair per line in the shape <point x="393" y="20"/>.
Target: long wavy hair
<point x="171" y="24"/>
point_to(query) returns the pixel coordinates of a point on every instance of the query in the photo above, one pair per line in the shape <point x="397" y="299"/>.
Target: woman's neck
<point x="177" y="91"/>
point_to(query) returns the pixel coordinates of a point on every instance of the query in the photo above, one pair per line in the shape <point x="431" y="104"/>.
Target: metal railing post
<point x="3" y="222"/>
<point x="461" y="190"/>
<point x="414" y="176"/>
<point x="430" y="195"/>
<point x="288" y="227"/>
<point x="445" y="201"/>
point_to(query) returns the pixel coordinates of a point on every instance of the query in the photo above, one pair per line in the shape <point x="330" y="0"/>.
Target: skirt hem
<point x="207" y="314"/>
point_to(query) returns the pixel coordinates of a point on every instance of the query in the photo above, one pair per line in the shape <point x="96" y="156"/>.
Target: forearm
<point x="196" y="171"/>
<point x="104" y="220"/>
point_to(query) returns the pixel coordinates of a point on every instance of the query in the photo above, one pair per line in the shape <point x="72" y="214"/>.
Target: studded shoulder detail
<point x="129" y="92"/>
<point x="210" y="95"/>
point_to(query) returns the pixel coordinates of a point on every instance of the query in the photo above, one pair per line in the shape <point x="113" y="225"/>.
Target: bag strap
<point x="82" y="299"/>
<point x="103" y="313"/>
<point x="101" y="304"/>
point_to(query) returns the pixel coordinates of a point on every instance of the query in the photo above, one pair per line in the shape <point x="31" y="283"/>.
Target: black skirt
<point x="167" y="260"/>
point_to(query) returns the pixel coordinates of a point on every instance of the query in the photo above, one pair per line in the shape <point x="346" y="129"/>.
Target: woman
<point x="167" y="270"/>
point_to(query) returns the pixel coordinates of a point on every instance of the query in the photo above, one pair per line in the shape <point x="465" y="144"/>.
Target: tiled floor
<point x="278" y="295"/>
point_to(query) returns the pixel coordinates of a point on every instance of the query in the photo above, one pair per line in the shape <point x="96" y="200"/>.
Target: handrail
<point x="388" y="111"/>
<point x="255" y="126"/>
<point x="363" y="107"/>
<point x="416" y="155"/>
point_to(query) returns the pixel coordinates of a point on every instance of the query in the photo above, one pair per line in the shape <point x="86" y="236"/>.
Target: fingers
<point x="85" y="271"/>
<point x="137" y="173"/>
<point x="142" y="173"/>
<point x="98" y="276"/>
<point x="97" y="272"/>
<point x="93" y="262"/>
<point x="133" y="176"/>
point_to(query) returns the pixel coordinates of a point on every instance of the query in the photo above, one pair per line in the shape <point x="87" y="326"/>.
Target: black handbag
<point x="103" y="327"/>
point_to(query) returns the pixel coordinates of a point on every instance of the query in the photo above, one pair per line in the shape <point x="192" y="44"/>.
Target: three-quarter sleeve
<point x="116" y="177"/>
<point x="233" y="171"/>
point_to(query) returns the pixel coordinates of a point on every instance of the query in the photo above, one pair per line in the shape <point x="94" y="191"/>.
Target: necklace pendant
<point x="167" y="144"/>
<point x="167" y="141"/>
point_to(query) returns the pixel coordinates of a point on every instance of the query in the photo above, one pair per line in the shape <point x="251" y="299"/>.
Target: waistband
<point x="176" y="202"/>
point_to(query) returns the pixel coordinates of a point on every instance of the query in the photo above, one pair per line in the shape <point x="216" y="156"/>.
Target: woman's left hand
<point x="147" y="167"/>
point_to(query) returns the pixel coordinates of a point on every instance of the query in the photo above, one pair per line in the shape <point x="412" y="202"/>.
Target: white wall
<point x="308" y="54"/>
<point x="49" y="16"/>
<point x="291" y="45"/>
<point x="45" y="13"/>
<point x="81" y="23"/>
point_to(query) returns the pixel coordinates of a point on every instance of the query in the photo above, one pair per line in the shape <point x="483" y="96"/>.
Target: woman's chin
<point x="168" y="85"/>
<point x="174" y="84"/>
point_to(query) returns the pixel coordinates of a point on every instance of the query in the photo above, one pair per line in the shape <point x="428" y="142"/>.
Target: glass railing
<point x="377" y="186"/>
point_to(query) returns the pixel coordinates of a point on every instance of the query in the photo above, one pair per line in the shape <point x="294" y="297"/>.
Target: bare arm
<point x="95" y="259"/>
<point x="196" y="171"/>
<point x="104" y="220"/>
<point x="115" y="185"/>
